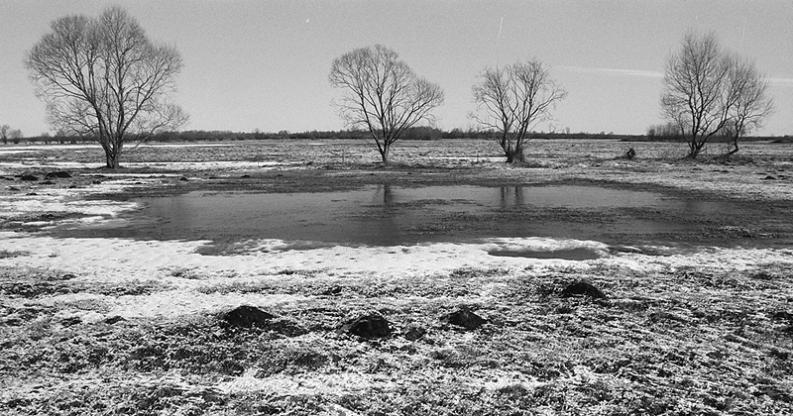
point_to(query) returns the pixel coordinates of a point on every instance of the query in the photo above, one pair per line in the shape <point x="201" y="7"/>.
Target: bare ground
<point x="102" y="326"/>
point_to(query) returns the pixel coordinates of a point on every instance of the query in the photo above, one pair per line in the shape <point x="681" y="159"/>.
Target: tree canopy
<point x="102" y="77"/>
<point x="382" y="94"/>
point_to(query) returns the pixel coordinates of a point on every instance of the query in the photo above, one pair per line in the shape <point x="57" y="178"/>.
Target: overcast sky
<point x="264" y="64"/>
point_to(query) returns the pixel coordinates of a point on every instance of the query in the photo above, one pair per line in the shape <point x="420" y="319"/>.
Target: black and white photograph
<point x="396" y="208"/>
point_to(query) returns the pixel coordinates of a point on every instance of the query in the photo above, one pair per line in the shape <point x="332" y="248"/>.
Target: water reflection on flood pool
<point x="389" y="215"/>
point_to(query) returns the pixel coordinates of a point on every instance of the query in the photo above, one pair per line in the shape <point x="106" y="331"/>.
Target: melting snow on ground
<point x="180" y="265"/>
<point x="69" y="201"/>
<point x="39" y="164"/>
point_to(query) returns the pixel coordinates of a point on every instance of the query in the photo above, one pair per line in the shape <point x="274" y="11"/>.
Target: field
<point x="702" y="324"/>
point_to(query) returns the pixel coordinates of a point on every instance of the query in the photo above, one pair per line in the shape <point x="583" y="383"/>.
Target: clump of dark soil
<point x="368" y="326"/>
<point x="58" y="174"/>
<point x="463" y="317"/>
<point x="582" y="288"/>
<point x="114" y="320"/>
<point x="247" y="316"/>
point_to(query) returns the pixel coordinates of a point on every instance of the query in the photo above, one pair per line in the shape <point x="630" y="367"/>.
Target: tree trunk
<point x="734" y="149"/>
<point x="112" y="159"/>
<point x="384" y="153"/>
<point x="515" y="155"/>
<point x="694" y="148"/>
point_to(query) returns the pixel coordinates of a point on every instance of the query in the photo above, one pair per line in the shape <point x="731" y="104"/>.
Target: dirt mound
<point x="58" y="174"/>
<point x="582" y="288"/>
<point x="372" y="325"/>
<point x="247" y="316"/>
<point x="464" y="318"/>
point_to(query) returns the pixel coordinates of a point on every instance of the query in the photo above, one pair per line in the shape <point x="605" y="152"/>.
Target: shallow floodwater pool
<point x="389" y="215"/>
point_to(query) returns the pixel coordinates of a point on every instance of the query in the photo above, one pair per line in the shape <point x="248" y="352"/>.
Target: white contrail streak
<point x="642" y="73"/>
<point x="613" y="71"/>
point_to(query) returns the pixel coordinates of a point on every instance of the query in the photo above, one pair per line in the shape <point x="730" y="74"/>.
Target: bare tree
<point x="102" y="77"/>
<point x="382" y="94"/>
<point x="707" y="91"/>
<point x="4" y="133"/>
<point x="697" y="95"/>
<point x="7" y="133"/>
<point x="511" y="100"/>
<point x="751" y="104"/>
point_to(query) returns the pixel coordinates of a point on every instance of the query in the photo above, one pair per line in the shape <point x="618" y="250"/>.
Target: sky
<point x="264" y="64"/>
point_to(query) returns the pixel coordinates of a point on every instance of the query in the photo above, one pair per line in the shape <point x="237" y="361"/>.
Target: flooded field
<point x="386" y="215"/>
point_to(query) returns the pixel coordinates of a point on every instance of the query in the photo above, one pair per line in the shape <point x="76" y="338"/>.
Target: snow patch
<point x="180" y="166"/>
<point x="15" y="205"/>
<point x="71" y="200"/>
<point x="13" y="152"/>
<point x="294" y="385"/>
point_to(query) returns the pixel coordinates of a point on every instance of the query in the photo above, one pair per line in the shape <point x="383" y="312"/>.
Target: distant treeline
<point x="654" y="134"/>
<point x="670" y="132"/>
<point x="416" y="133"/>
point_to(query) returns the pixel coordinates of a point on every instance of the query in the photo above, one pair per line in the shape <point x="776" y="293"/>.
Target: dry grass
<point x="671" y="339"/>
<point x="676" y="341"/>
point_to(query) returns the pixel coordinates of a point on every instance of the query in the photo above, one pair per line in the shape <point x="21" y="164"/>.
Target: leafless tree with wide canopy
<point x="102" y="77"/>
<point x="383" y="94"/>
<point x="707" y="90"/>
<point x="512" y="99"/>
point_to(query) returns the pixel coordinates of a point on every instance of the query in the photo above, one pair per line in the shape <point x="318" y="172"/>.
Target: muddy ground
<point x="699" y="322"/>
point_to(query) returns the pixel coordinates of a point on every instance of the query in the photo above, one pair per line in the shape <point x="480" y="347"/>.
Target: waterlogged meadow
<point x="690" y="319"/>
